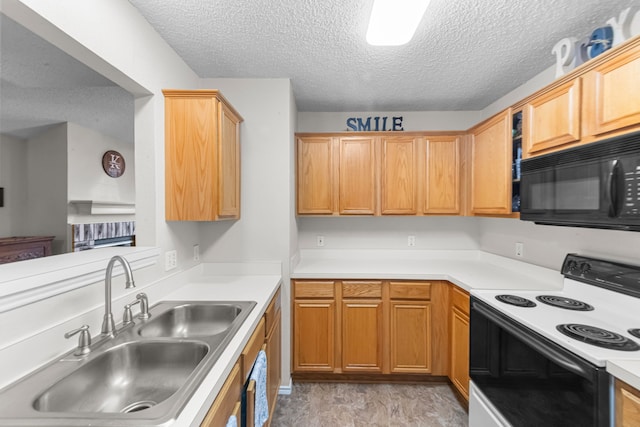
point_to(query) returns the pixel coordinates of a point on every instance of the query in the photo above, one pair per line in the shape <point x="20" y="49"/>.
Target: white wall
<point x="412" y="120"/>
<point x="547" y="245"/>
<point x="46" y="210"/>
<point x="389" y="232"/>
<point x="13" y="178"/>
<point x="111" y="37"/>
<point x="533" y="85"/>
<point x="87" y="179"/>
<point x="264" y="229"/>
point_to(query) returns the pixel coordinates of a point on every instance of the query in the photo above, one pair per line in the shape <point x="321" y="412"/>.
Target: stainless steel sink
<point x="143" y="376"/>
<point x="192" y="320"/>
<point x="125" y="378"/>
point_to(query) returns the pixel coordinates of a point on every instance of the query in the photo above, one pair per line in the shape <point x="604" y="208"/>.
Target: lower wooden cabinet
<point x="410" y="335"/>
<point x="459" y="341"/>
<point x="267" y="336"/>
<point x="362" y="336"/>
<point x="627" y="405"/>
<point x="370" y="327"/>
<point x="314" y="335"/>
<point x="227" y="401"/>
<point x="273" y="342"/>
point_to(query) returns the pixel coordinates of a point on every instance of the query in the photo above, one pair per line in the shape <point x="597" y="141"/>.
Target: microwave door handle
<point x="612" y="189"/>
<point x="552" y="354"/>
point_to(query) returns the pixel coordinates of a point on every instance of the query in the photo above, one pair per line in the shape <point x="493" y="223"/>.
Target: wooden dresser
<point x="22" y="248"/>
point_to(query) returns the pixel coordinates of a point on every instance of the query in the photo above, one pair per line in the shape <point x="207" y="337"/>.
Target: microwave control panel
<point x="631" y="205"/>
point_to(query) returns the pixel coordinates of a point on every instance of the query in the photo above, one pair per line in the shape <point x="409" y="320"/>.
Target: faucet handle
<point x="84" y="340"/>
<point x="127" y="318"/>
<point x="144" y="306"/>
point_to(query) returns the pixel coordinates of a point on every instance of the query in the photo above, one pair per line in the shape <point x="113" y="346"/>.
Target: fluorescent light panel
<point x="393" y="22"/>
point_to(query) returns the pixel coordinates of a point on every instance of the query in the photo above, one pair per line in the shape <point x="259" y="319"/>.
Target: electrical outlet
<point x="519" y="249"/>
<point x="196" y="252"/>
<point x="320" y="241"/>
<point x="411" y="241"/>
<point x="170" y="260"/>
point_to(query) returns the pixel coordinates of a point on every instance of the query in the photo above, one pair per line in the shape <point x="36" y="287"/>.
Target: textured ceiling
<point x="465" y="54"/>
<point x="41" y="86"/>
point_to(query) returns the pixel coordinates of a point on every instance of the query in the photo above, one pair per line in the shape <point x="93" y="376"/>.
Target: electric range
<point x="539" y="357"/>
<point x="599" y="285"/>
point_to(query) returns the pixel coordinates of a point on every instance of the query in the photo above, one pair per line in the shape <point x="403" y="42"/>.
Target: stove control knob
<point x="573" y="266"/>
<point x="585" y="267"/>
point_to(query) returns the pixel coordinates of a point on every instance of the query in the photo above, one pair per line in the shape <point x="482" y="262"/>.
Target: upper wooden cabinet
<point x="612" y="94"/>
<point x="315" y="175"/>
<point x="357" y="176"/>
<point x="441" y="177"/>
<point x="202" y="156"/>
<point x="552" y="119"/>
<point x="491" y="152"/>
<point x="336" y="175"/>
<point x="361" y="174"/>
<point x="598" y="100"/>
<point x="399" y="175"/>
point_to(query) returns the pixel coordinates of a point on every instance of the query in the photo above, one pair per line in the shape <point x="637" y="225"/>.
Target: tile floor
<point x="356" y="405"/>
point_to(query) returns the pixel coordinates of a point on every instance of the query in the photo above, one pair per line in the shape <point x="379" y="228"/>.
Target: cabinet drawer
<point x="252" y="348"/>
<point x="313" y="289"/>
<point x="361" y="289"/>
<point x="272" y="311"/>
<point x="460" y="299"/>
<point x="410" y="290"/>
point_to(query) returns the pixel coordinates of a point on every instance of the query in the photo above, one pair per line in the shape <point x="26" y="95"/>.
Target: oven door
<point x="529" y="380"/>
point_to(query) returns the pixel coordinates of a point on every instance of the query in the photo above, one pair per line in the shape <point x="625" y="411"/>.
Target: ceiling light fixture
<point x="393" y="22"/>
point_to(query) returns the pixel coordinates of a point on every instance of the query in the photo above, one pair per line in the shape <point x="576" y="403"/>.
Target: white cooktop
<point x="612" y="311"/>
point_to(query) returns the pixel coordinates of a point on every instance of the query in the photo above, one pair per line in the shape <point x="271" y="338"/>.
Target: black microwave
<point x="595" y="185"/>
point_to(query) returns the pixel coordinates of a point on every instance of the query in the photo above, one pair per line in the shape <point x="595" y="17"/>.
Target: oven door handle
<point x="539" y="346"/>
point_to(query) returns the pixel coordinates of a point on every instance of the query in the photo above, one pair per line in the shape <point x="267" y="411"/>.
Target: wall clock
<point x="113" y="164"/>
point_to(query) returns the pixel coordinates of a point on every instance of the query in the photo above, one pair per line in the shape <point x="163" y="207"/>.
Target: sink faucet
<point x="108" y="325"/>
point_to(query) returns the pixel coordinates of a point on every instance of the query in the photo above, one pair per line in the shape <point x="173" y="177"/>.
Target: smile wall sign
<point x="377" y="123"/>
<point x="571" y="52"/>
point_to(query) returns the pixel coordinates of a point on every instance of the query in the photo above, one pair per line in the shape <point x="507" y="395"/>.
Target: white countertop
<point x="468" y="269"/>
<point x="625" y="370"/>
<point x="258" y="288"/>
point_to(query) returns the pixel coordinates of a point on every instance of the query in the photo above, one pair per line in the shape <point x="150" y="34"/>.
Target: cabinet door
<point x="491" y="166"/>
<point x="399" y="177"/>
<point x="314" y="335"/>
<point x="274" y="359"/>
<point x="226" y="403"/>
<point x="612" y="92"/>
<point x="357" y="179"/>
<point x="410" y="337"/>
<point x="552" y="119"/>
<point x="190" y="159"/>
<point x="228" y="165"/>
<point x="442" y="175"/>
<point x="627" y="405"/>
<point x="460" y="351"/>
<point x="315" y="175"/>
<point x="362" y="336"/>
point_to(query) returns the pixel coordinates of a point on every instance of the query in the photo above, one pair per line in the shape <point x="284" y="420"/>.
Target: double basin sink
<point x="143" y="376"/>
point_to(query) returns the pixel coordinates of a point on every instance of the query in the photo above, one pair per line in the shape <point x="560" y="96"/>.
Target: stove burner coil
<point x="635" y="332"/>
<point x="515" y="300"/>
<point x="564" y="302"/>
<point x="598" y="337"/>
